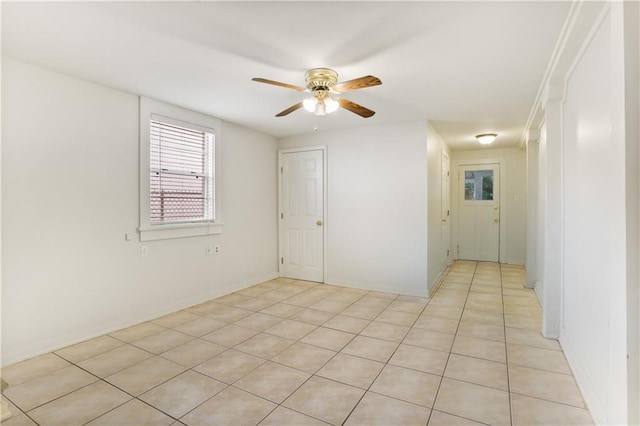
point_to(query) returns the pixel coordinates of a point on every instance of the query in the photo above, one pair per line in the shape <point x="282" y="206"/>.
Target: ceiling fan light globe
<point x="321" y="109"/>
<point x="310" y="104"/>
<point x="331" y="105"/>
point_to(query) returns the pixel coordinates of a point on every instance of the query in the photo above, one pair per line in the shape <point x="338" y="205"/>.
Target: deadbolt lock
<point x="319" y="223"/>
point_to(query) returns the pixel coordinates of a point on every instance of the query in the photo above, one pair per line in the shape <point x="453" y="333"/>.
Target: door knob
<point x="319" y="223"/>
<point x="496" y="220"/>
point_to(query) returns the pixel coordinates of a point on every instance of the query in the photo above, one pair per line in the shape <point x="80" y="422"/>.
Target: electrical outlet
<point x="144" y="251"/>
<point x="208" y="251"/>
<point x="217" y="249"/>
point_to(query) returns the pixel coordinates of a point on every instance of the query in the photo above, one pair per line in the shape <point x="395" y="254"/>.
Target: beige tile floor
<point x="288" y="352"/>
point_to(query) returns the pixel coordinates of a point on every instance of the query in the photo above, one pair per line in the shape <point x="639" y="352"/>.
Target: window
<point x="181" y="175"/>
<point x="478" y="185"/>
<point x="179" y="172"/>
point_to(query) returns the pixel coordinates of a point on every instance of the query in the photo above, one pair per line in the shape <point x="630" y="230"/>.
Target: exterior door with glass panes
<point x="479" y="217"/>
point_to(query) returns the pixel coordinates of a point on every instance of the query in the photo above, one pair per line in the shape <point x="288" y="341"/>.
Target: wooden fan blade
<point x="355" y="108"/>
<point x="277" y="83"/>
<point x="289" y="110"/>
<point x="358" y="83"/>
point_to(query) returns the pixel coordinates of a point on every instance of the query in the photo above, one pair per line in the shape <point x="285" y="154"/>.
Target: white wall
<point x="377" y="206"/>
<point x="540" y="213"/>
<point x="589" y="156"/>
<point x="549" y="288"/>
<point x="439" y="236"/>
<point x="594" y="220"/>
<point x="631" y="32"/>
<point x="596" y="305"/>
<point x="513" y="198"/>
<point x="531" y="262"/>
<point x="69" y="195"/>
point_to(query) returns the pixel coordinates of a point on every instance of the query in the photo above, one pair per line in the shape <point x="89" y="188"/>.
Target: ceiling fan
<point x="322" y="83"/>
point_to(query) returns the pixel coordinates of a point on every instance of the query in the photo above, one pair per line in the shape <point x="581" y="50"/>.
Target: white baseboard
<point x="370" y="287"/>
<point x="539" y="290"/>
<point x="436" y="284"/>
<point x="596" y="403"/>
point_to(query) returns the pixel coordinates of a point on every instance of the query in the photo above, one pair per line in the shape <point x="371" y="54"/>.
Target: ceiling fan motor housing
<point x="322" y="79"/>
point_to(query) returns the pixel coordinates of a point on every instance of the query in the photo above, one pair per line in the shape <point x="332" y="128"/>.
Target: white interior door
<point x="445" y="212"/>
<point x="302" y="215"/>
<point x="479" y="218"/>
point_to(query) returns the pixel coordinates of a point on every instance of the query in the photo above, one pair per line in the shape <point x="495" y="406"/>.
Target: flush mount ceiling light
<point x="486" y="138"/>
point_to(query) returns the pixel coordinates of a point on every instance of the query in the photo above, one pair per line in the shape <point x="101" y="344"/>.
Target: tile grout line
<point x="296" y="341"/>
<point x="187" y="369"/>
<point x="506" y="351"/>
<point x="311" y="376"/>
<point x="328" y="361"/>
<point x="367" y="390"/>
<point x="100" y="379"/>
<point x="134" y="397"/>
<point x="386" y="364"/>
<point x="435" y="398"/>
<point x="21" y="411"/>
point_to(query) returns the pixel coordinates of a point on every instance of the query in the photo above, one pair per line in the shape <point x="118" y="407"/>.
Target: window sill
<point x="179" y="230"/>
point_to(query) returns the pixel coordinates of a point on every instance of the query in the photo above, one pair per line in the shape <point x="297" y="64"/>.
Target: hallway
<point x="300" y="353"/>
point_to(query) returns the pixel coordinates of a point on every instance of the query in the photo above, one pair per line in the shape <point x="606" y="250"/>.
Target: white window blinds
<point x="181" y="173"/>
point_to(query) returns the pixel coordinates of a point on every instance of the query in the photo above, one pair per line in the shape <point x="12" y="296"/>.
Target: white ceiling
<point x="468" y="67"/>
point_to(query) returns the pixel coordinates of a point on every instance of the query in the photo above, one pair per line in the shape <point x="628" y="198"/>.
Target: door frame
<point x="281" y="153"/>
<point x="445" y="219"/>
<point x="463" y="204"/>
<point x="455" y="206"/>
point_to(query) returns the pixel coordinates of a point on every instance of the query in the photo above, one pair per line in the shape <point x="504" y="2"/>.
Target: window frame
<point x="150" y="108"/>
<point x="483" y="176"/>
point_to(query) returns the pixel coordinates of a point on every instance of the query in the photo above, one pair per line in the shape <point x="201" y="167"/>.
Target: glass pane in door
<point x="478" y="185"/>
